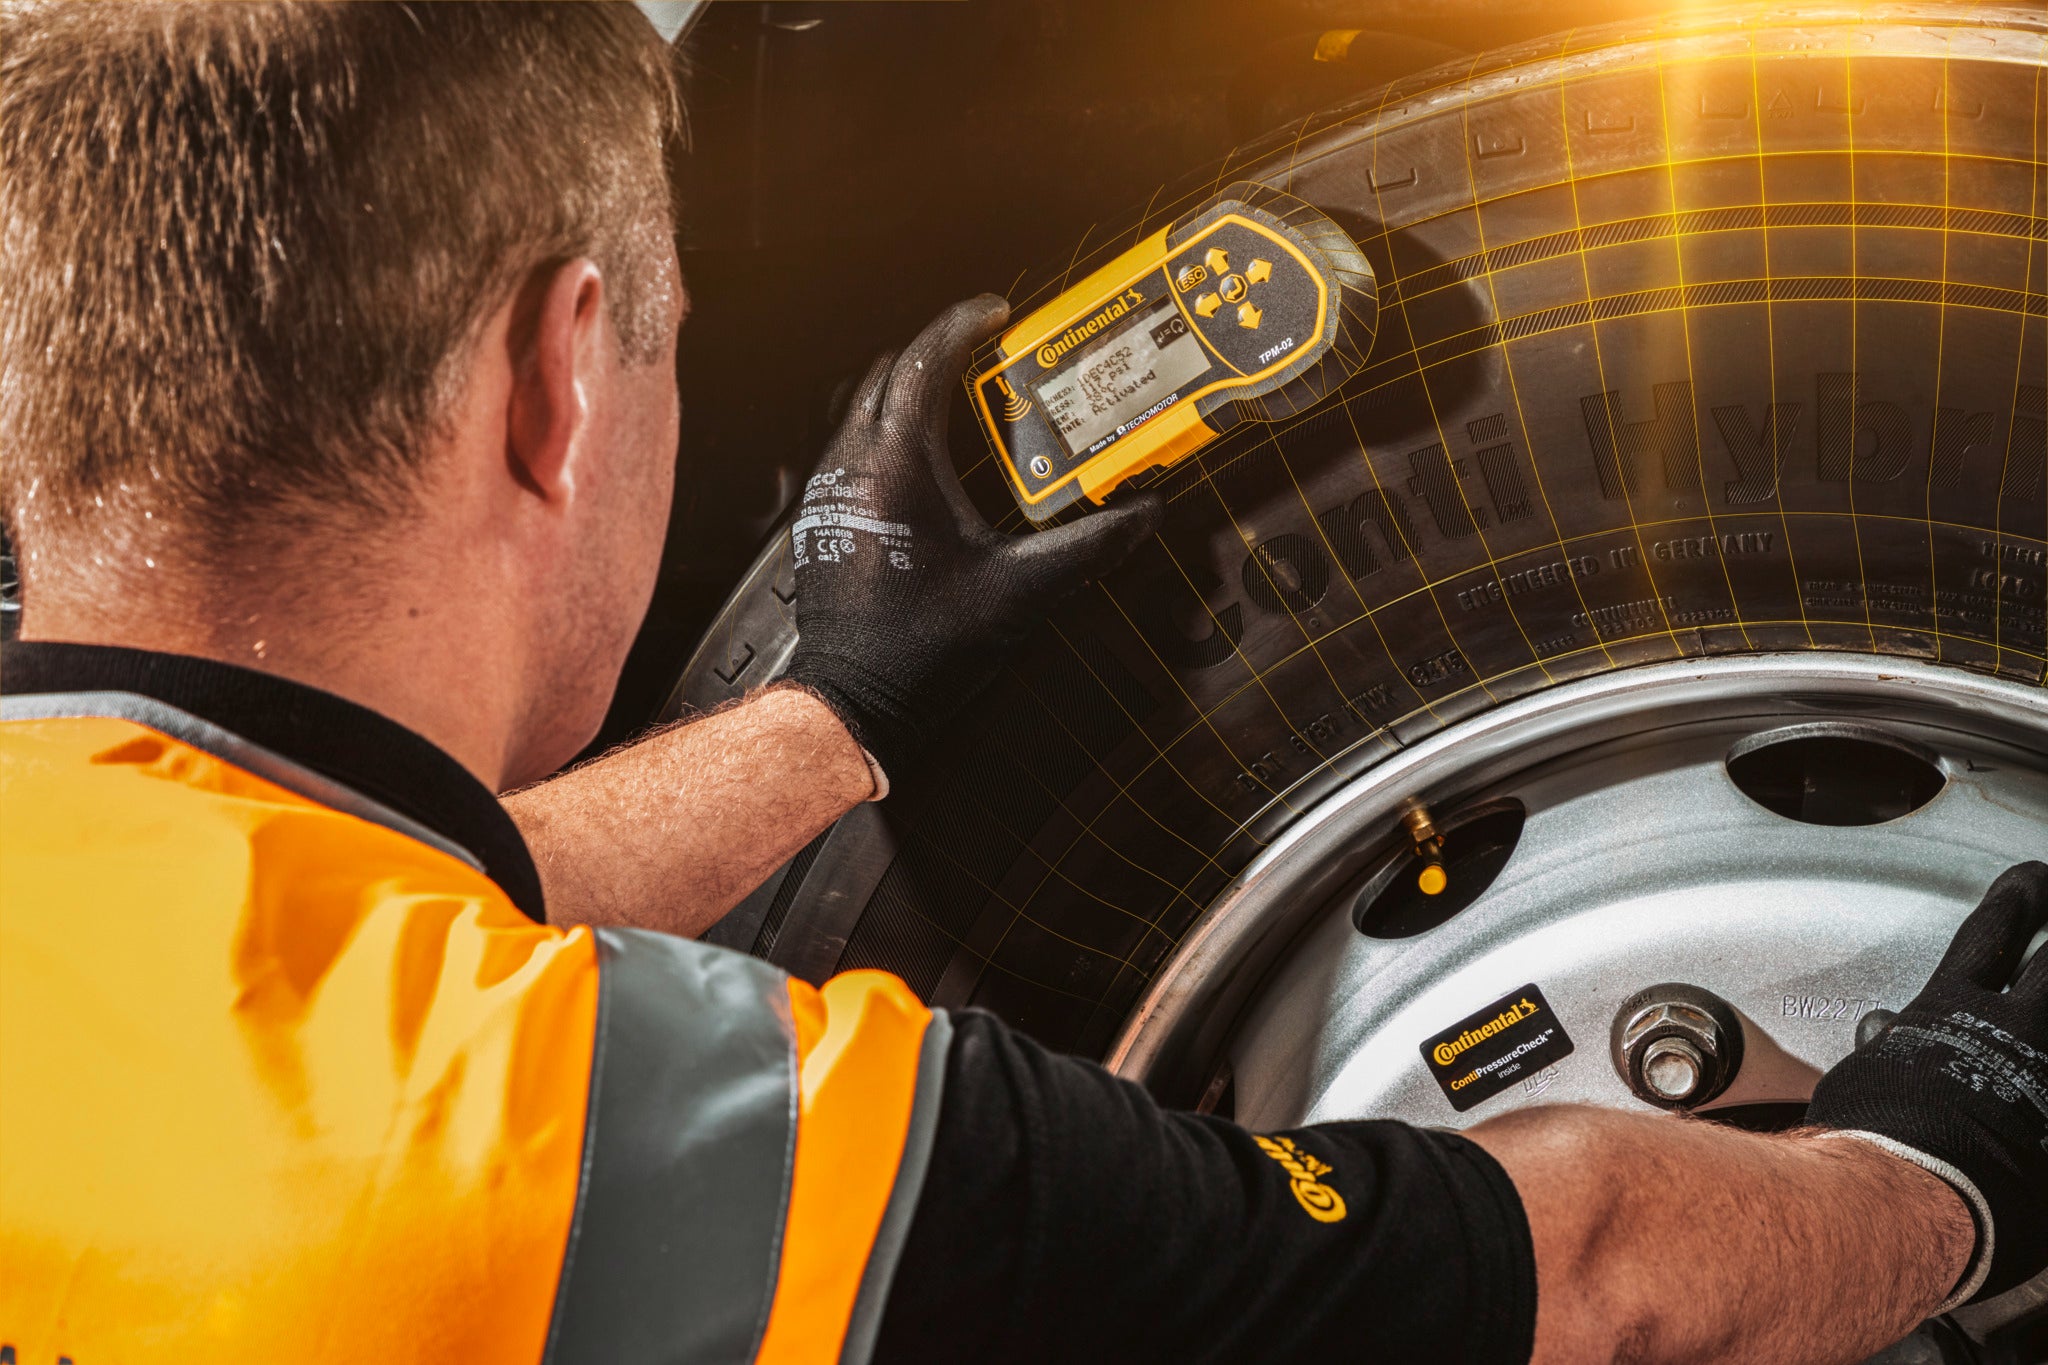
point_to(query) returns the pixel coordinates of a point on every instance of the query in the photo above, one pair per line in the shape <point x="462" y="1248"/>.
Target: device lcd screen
<point x="1120" y="376"/>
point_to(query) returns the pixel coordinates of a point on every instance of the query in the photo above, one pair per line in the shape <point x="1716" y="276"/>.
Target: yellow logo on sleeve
<point x="1305" y="1174"/>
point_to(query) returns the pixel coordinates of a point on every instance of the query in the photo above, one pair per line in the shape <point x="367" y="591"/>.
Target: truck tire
<point x="1713" y="337"/>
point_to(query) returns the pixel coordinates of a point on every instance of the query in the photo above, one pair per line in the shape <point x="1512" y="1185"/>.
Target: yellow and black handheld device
<point x="1253" y="308"/>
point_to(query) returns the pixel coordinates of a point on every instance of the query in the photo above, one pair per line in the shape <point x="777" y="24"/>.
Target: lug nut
<point x="1673" y="1068"/>
<point x="1676" y="1046"/>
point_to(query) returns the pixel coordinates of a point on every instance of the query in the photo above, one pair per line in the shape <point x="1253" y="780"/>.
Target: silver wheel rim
<point x="1640" y="862"/>
<point x="1624" y="780"/>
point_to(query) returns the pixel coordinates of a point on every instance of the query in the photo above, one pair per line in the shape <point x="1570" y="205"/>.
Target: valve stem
<point x="1429" y="848"/>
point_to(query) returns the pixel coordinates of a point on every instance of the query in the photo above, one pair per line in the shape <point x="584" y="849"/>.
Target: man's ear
<point x="556" y="340"/>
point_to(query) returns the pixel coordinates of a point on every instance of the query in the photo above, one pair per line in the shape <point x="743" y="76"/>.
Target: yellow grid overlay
<point x="1404" y="356"/>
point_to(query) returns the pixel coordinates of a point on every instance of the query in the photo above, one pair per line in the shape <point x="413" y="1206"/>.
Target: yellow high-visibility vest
<point x="284" y="1078"/>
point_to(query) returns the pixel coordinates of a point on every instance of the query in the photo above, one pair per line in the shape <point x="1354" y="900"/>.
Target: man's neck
<point x="390" y="659"/>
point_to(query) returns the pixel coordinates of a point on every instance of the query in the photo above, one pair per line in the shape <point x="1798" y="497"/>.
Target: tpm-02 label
<point x="1484" y="1053"/>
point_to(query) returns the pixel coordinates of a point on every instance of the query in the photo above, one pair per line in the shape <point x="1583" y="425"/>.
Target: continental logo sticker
<point x="1484" y="1053"/>
<point x="1305" y="1177"/>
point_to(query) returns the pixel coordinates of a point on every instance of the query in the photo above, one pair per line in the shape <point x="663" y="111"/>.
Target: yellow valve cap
<point x="1432" y="879"/>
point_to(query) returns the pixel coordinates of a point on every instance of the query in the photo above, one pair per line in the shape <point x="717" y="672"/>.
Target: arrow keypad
<point x="1269" y="301"/>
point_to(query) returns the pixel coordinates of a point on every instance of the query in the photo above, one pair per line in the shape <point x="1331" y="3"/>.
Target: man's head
<point x="291" y="290"/>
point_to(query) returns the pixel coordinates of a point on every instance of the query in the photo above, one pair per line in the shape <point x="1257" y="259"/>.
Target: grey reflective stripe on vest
<point x="687" y="1154"/>
<point x="917" y="1156"/>
<point x="689" y="1148"/>
<point x="229" y="747"/>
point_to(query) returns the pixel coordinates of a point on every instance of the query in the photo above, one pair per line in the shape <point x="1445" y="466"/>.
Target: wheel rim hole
<point x="1476" y="846"/>
<point x="1835" y="779"/>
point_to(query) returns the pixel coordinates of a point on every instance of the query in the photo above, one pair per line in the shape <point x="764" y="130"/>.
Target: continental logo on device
<point x="1050" y="353"/>
<point x="1451" y="1049"/>
<point x="1304" y="1177"/>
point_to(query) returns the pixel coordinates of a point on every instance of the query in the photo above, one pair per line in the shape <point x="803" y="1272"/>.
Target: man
<point x="336" y="354"/>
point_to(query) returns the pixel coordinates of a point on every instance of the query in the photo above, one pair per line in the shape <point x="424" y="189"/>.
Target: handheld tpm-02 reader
<point x="1253" y="308"/>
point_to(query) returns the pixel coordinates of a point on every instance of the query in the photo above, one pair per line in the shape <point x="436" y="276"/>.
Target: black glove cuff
<point x="878" y="722"/>
<point x="876" y="772"/>
<point x="1978" y="1268"/>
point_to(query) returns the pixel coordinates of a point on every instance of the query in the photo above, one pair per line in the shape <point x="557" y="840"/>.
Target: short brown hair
<point x="241" y="243"/>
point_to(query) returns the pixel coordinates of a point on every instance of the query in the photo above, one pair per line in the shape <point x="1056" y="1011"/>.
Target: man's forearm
<point x="1661" y="1239"/>
<point x="671" y="832"/>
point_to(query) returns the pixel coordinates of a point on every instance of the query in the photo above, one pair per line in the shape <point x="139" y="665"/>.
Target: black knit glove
<point x="907" y="603"/>
<point x="1958" y="1083"/>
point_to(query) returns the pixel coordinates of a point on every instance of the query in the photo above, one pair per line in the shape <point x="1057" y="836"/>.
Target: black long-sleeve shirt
<point x="1067" y="1217"/>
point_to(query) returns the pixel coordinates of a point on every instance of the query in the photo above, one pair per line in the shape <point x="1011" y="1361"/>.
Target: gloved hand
<point x="1958" y="1083"/>
<point x="907" y="603"/>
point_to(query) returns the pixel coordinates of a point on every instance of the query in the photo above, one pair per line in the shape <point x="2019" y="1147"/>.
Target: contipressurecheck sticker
<point x="1484" y="1053"/>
